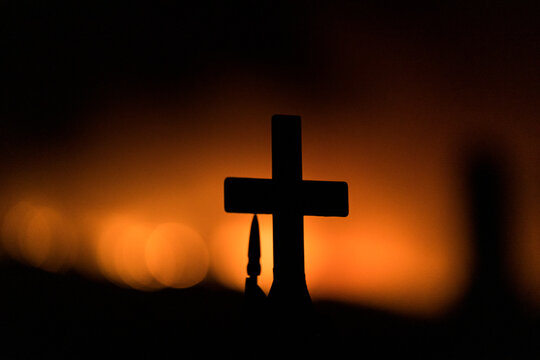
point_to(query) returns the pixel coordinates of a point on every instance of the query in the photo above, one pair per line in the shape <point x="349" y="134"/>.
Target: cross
<point x="288" y="198"/>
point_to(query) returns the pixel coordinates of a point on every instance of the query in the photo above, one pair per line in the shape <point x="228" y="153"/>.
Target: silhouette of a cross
<point x="288" y="198"/>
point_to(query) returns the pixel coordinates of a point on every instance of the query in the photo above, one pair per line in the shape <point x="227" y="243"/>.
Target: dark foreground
<point x="47" y="315"/>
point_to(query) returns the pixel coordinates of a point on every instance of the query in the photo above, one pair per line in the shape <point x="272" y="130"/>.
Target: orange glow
<point x="121" y="256"/>
<point x="383" y="260"/>
<point x="145" y="257"/>
<point x="39" y="236"/>
<point x="404" y="247"/>
<point x="378" y="263"/>
<point x="176" y="255"/>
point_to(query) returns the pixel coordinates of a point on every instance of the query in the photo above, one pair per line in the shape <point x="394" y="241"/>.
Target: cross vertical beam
<point x="288" y="221"/>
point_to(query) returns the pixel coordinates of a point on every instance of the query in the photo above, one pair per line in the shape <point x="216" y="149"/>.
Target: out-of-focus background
<point x="119" y="123"/>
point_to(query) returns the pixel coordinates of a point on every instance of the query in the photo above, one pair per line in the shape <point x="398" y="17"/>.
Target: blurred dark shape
<point x="490" y="319"/>
<point x="490" y="210"/>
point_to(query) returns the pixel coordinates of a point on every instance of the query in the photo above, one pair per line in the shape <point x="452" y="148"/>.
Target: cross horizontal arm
<point x="325" y="198"/>
<point x="315" y="198"/>
<point x="246" y="195"/>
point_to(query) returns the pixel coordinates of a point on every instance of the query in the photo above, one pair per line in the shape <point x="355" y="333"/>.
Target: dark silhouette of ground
<point x="46" y="314"/>
<point x="68" y="316"/>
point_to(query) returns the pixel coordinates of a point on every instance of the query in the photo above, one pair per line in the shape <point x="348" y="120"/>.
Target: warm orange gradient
<point x="406" y="257"/>
<point x="121" y="253"/>
<point x="404" y="247"/>
<point x="176" y="255"/>
<point x="147" y="257"/>
<point x="39" y="236"/>
<point x="398" y="138"/>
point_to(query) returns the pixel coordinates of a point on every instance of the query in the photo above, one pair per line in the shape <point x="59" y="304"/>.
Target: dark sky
<point x="59" y="60"/>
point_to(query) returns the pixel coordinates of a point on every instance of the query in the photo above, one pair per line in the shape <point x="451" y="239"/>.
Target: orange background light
<point x="391" y="114"/>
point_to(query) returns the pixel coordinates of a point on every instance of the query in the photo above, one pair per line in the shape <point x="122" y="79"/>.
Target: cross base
<point x="289" y="292"/>
<point x="291" y="314"/>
